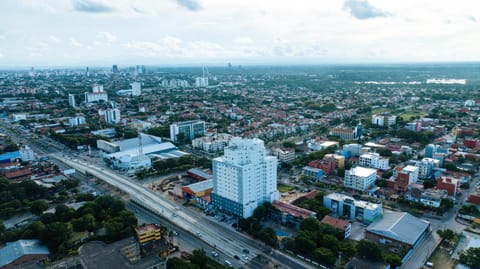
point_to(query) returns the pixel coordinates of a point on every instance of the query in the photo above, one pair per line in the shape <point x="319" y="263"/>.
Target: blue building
<point x="343" y="206"/>
<point x="312" y="173"/>
<point x="9" y="157"/>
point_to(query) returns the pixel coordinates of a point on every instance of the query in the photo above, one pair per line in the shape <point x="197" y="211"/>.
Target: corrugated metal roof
<point x="400" y="226"/>
<point x="17" y="249"/>
<point x="9" y="156"/>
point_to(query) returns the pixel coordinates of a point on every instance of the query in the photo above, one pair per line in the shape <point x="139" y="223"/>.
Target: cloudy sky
<point x="182" y="32"/>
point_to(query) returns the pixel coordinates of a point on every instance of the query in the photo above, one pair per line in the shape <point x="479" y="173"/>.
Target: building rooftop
<point x="337" y="223"/>
<point x="200" y="173"/>
<point x="349" y="199"/>
<point x="293" y="210"/>
<point x="17" y="249"/>
<point x="400" y="226"/>
<point x="410" y="168"/>
<point x="201" y="186"/>
<point x="9" y="156"/>
<point x="146" y="228"/>
<point x="362" y="171"/>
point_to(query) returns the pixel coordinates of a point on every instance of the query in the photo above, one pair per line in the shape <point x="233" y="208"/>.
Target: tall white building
<point x="384" y="120"/>
<point x="112" y="115"/>
<point x="26" y="154"/>
<point x="244" y="178"/>
<point x="136" y="88"/>
<point x="71" y="100"/>
<point x="75" y="121"/>
<point x="360" y="178"/>
<point x="201" y="82"/>
<point x="96" y="95"/>
<point x="373" y="160"/>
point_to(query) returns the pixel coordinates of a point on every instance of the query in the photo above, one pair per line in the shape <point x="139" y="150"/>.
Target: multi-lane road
<point x="230" y="242"/>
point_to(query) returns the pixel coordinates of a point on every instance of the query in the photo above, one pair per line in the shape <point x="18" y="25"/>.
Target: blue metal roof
<point x="17" y="249"/>
<point x="9" y="156"/>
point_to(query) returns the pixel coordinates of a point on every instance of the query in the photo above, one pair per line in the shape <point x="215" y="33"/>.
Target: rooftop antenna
<point x="140" y="144"/>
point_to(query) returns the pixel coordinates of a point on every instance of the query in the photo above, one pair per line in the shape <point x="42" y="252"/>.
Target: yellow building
<point x="147" y="233"/>
<point x="339" y="160"/>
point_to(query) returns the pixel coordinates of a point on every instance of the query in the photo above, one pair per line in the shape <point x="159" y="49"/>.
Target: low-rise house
<point x="339" y="224"/>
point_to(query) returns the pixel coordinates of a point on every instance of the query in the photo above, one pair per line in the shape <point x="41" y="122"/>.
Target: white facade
<point x="136" y="89"/>
<point x="245" y="175"/>
<point x="284" y="155"/>
<point x="91" y="97"/>
<point x="213" y="143"/>
<point x="75" y="121"/>
<point x="96" y="95"/>
<point x="26" y="154"/>
<point x="97" y="88"/>
<point x="18" y="117"/>
<point x="425" y="167"/>
<point x="360" y="178"/>
<point x="384" y="120"/>
<point x="112" y="115"/>
<point x="201" y="82"/>
<point x="373" y="160"/>
<point x="71" y="100"/>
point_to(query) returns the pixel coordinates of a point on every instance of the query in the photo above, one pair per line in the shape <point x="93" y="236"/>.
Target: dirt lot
<point x="441" y="259"/>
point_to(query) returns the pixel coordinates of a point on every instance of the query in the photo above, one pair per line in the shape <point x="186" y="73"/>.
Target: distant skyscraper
<point x="112" y="115"/>
<point x="136" y="89"/>
<point x="71" y="100"/>
<point x="244" y="178"/>
<point x="202" y="82"/>
<point x="114" y="69"/>
<point x="87" y="72"/>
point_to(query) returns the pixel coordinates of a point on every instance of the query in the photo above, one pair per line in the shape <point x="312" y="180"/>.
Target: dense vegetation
<point x="253" y="225"/>
<point x="56" y="229"/>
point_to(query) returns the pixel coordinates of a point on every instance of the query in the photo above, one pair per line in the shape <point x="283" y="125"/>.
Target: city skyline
<point x="195" y="32"/>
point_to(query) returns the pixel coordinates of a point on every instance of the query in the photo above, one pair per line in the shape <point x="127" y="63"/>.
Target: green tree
<point x="199" y="257"/>
<point x="85" y="223"/>
<point x="310" y="224"/>
<point x="324" y="255"/>
<point x="177" y="263"/>
<point x="37" y="207"/>
<point x="55" y="236"/>
<point x="470" y="257"/>
<point x="288" y="144"/>
<point x="446" y="234"/>
<point x="63" y="213"/>
<point x="393" y="259"/>
<point x="369" y="250"/>
<point x="304" y="245"/>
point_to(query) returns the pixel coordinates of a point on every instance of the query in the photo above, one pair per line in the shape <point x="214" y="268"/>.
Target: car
<point x="175" y="233"/>
<point x="246" y="251"/>
<point x="199" y="234"/>
<point x="214" y="254"/>
<point x="236" y="257"/>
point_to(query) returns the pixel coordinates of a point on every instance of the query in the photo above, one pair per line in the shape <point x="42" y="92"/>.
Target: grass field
<point x="407" y="115"/>
<point x="284" y="188"/>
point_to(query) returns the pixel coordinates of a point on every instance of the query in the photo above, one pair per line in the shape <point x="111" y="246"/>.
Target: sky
<point x="196" y="32"/>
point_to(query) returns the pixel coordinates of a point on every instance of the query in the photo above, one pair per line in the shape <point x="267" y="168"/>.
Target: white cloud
<point x="106" y="36"/>
<point x="1" y="55"/>
<point x="244" y="40"/>
<point x="54" y="39"/>
<point x="75" y="43"/>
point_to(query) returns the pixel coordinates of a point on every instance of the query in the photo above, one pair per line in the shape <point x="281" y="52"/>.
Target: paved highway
<point x="230" y="242"/>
